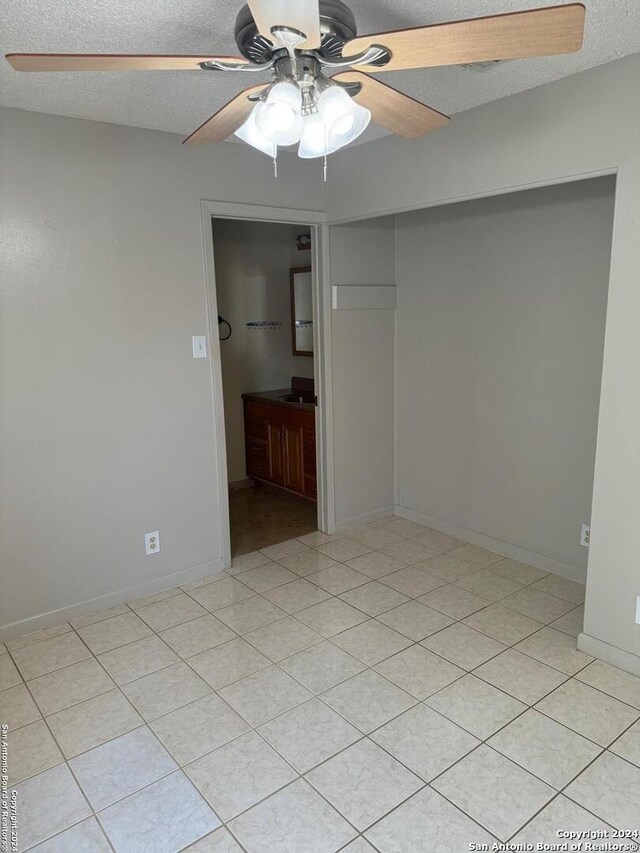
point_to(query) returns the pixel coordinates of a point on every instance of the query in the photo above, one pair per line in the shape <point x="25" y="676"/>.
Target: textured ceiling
<point x="178" y="101"/>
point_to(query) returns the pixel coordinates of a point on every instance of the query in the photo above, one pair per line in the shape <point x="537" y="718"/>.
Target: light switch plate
<point x="199" y="343"/>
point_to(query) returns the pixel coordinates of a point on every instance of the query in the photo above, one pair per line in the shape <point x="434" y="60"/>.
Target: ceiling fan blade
<point x="392" y="109"/>
<point x="301" y="15"/>
<point x="111" y="62"/>
<point x="515" y="35"/>
<point x="227" y="120"/>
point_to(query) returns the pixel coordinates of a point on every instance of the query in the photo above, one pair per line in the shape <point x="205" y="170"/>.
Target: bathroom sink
<point x="296" y="398"/>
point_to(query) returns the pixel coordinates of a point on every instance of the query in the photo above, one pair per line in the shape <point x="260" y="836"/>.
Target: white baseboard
<point x="609" y="654"/>
<point x="357" y="520"/>
<point x="532" y="558"/>
<point x="111" y="599"/>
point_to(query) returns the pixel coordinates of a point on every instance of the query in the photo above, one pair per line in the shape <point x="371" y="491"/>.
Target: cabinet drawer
<point x="255" y="428"/>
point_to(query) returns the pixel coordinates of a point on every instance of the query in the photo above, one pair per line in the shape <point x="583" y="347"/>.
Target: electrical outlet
<point x="152" y="543"/>
<point x="585" y="535"/>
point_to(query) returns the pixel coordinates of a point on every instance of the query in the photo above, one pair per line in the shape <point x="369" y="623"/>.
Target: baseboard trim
<point x="609" y="654"/>
<point x="532" y="558"/>
<point x="237" y="485"/>
<point x="357" y="520"/>
<point x="111" y="599"/>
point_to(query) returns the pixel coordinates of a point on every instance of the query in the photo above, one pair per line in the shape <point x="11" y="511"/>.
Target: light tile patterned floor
<point x="389" y="690"/>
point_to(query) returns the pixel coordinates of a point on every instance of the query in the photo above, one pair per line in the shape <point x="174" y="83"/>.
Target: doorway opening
<point x="265" y="291"/>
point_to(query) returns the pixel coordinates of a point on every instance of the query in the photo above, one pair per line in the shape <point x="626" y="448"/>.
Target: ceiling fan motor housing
<point x="337" y="26"/>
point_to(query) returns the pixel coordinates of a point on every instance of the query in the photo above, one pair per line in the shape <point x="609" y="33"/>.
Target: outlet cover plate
<point x="152" y="543"/>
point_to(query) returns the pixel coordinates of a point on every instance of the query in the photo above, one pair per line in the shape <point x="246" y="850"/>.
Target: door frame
<point x="316" y="220"/>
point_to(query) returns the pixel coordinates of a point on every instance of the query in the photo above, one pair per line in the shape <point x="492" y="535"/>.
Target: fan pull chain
<point x="324" y="169"/>
<point x="275" y="160"/>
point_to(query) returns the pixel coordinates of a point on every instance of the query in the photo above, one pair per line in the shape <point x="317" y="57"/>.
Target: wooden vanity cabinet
<point x="280" y="446"/>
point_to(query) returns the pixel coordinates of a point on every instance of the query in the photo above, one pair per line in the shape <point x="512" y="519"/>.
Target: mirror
<point x="301" y="311"/>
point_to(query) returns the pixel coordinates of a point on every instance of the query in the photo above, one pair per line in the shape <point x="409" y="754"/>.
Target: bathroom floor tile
<point x="440" y="542"/>
<point x="628" y="745"/>
<point x="122" y="766"/>
<point x="172" y="611"/>
<point x="424" y="741"/>
<point x="283" y="549"/>
<point x="446" y="567"/>
<point x="463" y="646"/>
<point x="494" y="791"/>
<point x="163" y="691"/>
<point x="488" y="584"/>
<point x="282" y="639"/>
<point x="344" y="549"/>
<point x="266" y="577"/>
<point x="615" y="682"/>
<point x="424" y="822"/>
<point x="198" y="728"/>
<point x="331" y="617"/>
<point x="555" y="649"/>
<point x="537" y="604"/>
<point x="375" y="564"/>
<point x="134" y="660"/>
<point x="307" y="562"/>
<point x="371" y="642"/>
<point x="562" y="588"/>
<point x="454" y="602"/>
<point x="32" y="750"/>
<point x="478" y="557"/>
<point x="86" y="836"/>
<point x="409" y="551"/>
<point x="610" y="788"/>
<point x="519" y="572"/>
<point x="368" y="700"/>
<point x="338" y="578"/>
<point x="264" y="695"/>
<point x="571" y="623"/>
<point x="142" y="822"/>
<point x="418" y="671"/>
<point x="49" y="803"/>
<point x="309" y="734"/>
<point x="49" y="655"/>
<point x="222" y="593"/>
<point x="504" y="625"/>
<point x="415" y="620"/>
<point x="297" y="595"/>
<point x="477" y="707"/>
<point x="323" y="666"/>
<point x="412" y="581"/>
<point x="248" y="615"/>
<point x="363" y="783"/>
<point x="17" y="708"/>
<point x="9" y="675"/>
<point x="114" y="632"/>
<point x="374" y="598"/>
<point x="37" y="636"/>
<point x="239" y="774"/>
<point x="550" y="751"/>
<point x="93" y="722"/>
<point x="228" y="662"/>
<point x="197" y="635"/>
<point x="560" y="813"/>
<point x="65" y="687"/>
<point x="293" y="820"/>
<point x="589" y="712"/>
<point x="520" y="676"/>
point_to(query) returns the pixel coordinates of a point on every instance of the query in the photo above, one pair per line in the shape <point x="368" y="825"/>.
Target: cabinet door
<point x="293" y="458"/>
<point x="276" y="455"/>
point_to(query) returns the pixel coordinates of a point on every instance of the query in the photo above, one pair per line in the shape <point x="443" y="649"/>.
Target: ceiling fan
<point x="302" y="41"/>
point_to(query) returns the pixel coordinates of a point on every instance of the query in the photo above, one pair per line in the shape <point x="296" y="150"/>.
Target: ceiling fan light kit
<point x="300" y="42"/>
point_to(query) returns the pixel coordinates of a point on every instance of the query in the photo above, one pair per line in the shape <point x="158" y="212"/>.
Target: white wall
<point x="363" y="359"/>
<point x="252" y="263"/>
<point x="500" y="330"/>
<point x="107" y="421"/>
<point x="577" y="126"/>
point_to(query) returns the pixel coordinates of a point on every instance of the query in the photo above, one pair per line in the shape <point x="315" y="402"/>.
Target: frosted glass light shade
<point x="250" y="134"/>
<point x="279" y="118"/>
<point x="314" y="141"/>
<point x="345" y="120"/>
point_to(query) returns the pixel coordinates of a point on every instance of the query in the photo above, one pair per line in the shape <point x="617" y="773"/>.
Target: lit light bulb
<point x="250" y="134"/>
<point x="279" y="118"/>
<point x="345" y="120"/>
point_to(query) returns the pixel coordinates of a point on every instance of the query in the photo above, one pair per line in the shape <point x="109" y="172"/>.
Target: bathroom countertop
<point x="275" y="397"/>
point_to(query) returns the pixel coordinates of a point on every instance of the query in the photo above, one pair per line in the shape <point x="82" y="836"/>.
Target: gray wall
<point x="576" y="127"/>
<point x="252" y="263"/>
<point x="363" y="359"/>
<point x="107" y="425"/>
<point x="500" y="330"/>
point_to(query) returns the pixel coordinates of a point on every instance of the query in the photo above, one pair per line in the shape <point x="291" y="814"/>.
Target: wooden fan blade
<point x="110" y="62"/>
<point x="392" y="109"/>
<point x="227" y="120"/>
<point x="516" y="35"/>
<point x="301" y="15"/>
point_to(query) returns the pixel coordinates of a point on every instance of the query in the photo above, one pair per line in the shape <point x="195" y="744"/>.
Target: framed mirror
<point x="301" y="311"/>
